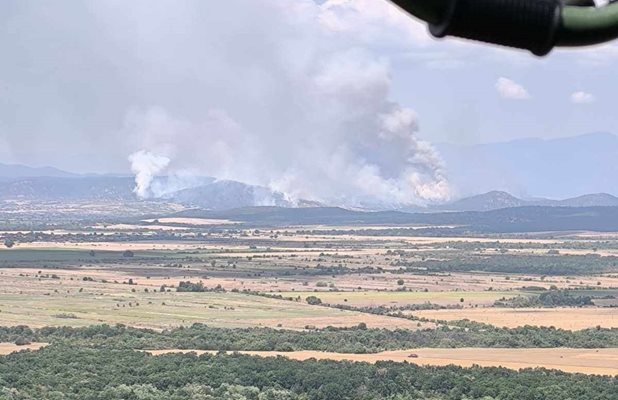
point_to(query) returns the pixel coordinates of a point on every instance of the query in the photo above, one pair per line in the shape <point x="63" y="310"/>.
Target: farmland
<point x="586" y="361"/>
<point x="263" y="277"/>
<point x="403" y="298"/>
<point x="563" y="318"/>
<point x="165" y="287"/>
<point x="33" y="299"/>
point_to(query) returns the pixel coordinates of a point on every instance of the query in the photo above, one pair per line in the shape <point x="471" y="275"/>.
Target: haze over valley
<point x="481" y="178"/>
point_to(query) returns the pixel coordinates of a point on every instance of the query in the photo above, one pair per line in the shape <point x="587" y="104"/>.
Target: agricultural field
<point x="10" y="348"/>
<point x="584" y="361"/>
<point x="563" y="318"/>
<point x="463" y="297"/>
<point x="263" y="277"/>
<point x="84" y="297"/>
<point x="370" y="298"/>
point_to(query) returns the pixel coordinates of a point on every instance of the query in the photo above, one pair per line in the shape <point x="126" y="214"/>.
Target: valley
<point x="285" y="283"/>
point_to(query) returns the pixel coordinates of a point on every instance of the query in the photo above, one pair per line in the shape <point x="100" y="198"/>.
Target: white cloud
<point x="582" y="98"/>
<point x="373" y="22"/>
<point x="511" y="90"/>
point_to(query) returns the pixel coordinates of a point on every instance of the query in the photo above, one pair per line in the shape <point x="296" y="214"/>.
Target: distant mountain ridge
<point x="587" y="161"/>
<point x="496" y="200"/>
<point x="212" y="195"/>
<point x="55" y="189"/>
<point x="12" y="171"/>
<point x="591" y="200"/>
<point x="554" y="168"/>
<point x="483" y="202"/>
<point x="507" y="220"/>
<point x="497" y="212"/>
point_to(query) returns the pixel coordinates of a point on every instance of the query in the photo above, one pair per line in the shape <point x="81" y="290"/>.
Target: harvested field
<point x="68" y="300"/>
<point x="133" y="227"/>
<point x="107" y="246"/>
<point x="273" y="266"/>
<point x="585" y="361"/>
<point x="390" y="298"/>
<point x="8" y="348"/>
<point x="192" y="221"/>
<point x="563" y="318"/>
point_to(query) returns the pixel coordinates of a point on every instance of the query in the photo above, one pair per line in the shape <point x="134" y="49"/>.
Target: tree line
<point x="358" y="339"/>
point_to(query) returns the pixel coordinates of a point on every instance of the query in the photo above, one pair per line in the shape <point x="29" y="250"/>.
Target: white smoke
<point x="146" y="165"/>
<point x="296" y="102"/>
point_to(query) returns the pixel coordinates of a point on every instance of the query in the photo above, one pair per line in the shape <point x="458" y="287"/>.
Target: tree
<point x="8" y="243"/>
<point x="400" y="282"/>
<point x="128" y="253"/>
<point x="22" y="341"/>
<point x="313" y="300"/>
<point x="189" y="286"/>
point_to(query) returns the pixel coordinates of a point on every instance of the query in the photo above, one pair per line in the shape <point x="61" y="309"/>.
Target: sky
<point x="337" y="99"/>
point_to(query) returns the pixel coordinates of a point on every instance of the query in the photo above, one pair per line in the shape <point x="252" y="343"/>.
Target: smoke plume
<point x="146" y="165"/>
<point x="293" y="99"/>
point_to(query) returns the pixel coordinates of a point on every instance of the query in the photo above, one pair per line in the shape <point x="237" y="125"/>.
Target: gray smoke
<point x="297" y="103"/>
<point x="285" y="94"/>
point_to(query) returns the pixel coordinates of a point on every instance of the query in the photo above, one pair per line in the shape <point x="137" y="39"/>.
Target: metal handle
<point x="523" y="24"/>
<point x="535" y="25"/>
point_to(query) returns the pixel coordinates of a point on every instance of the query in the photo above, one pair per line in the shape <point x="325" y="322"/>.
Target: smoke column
<point x="286" y="94"/>
<point x="146" y="165"/>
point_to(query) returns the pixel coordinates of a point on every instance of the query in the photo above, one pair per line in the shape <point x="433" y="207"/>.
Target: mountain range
<point x="496" y="200"/>
<point x="507" y="174"/>
<point x="506" y="220"/>
<point x="223" y="195"/>
<point x="13" y="171"/>
<point x="213" y="195"/>
<point x="557" y="168"/>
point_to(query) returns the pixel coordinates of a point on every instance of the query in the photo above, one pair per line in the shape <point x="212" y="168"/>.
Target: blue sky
<point x="461" y="104"/>
<point x="452" y="85"/>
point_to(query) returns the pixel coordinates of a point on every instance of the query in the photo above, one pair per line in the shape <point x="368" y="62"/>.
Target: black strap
<point x="523" y="24"/>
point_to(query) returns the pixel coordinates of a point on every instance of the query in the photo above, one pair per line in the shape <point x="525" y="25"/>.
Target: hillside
<point x="221" y="195"/>
<point x="12" y="171"/>
<point x="496" y="200"/>
<point x="208" y="194"/>
<point x="557" y="168"/>
<point x="591" y="200"/>
<point x="507" y="220"/>
<point x="68" y="189"/>
<point x="484" y="202"/>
